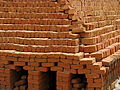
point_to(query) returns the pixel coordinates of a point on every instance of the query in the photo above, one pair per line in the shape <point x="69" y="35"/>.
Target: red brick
<point x="56" y="68"/>
<point x="48" y="64"/>
<point x="19" y="63"/>
<point x="90" y="48"/>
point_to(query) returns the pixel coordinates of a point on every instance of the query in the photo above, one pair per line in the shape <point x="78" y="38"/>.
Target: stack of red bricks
<point x="113" y="71"/>
<point x="38" y="80"/>
<point x="6" y="78"/>
<point x="64" y="81"/>
<point x="73" y="38"/>
<point x="78" y="83"/>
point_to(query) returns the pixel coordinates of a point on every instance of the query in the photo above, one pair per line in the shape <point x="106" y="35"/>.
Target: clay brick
<point x="89" y="41"/>
<point x="98" y="80"/>
<point x="66" y="61"/>
<point x="76" y="66"/>
<point x="78" y="30"/>
<point x="81" y="48"/>
<point x="90" y="48"/>
<point x="87" y="55"/>
<point x="97" y="65"/>
<point x="56" y="68"/>
<point x="70" y="70"/>
<point x="78" y="85"/>
<point x="97" y="55"/>
<point x="92" y="76"/>
<point x="98" y="85"/>
<point x="76" y="62"/>
<point x="23" y="59"/>
<point x="28" y="68"/>
<point x="53" y="60"/>
<point x="34" y="64"/>
<point x="10" y="66"/>
<point x="102" y="70"/>
<point x="40" y="60"/>
<point x="48" y="64"/>
<point x="83" y="71"/>
<point x="34" y="73"/>
<point x="19" y="63"/>
<point x="100" y="46"/>
<point x="87" y="61"/>
<point x="90" y="80"/>
<point x="64" y="65"/>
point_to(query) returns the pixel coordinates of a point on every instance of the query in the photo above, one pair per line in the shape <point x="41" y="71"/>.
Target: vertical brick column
<point x="63" y="81"/>
<point x="38" y="80"/>
<point x="6" y="79"/>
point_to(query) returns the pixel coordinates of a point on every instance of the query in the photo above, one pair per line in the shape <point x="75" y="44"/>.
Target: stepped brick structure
<point x="59" y="44"/>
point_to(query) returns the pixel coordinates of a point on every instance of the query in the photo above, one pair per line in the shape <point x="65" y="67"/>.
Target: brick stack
<point x="72" y="38"/>
<point x="112" y="74"/>
<point x="6" y="78"/>
<point x="35" y="80"/>
<point x="78" y="83"/>
<point x="41" y="80"/>
<point x="64" y="81"/>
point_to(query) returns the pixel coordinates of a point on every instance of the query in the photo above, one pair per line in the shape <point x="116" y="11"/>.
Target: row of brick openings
<point x="59" y="44"/>
<point x="20" y="79"/>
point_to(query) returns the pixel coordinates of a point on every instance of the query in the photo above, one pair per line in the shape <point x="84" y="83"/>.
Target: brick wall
<point x="72" y="38"/>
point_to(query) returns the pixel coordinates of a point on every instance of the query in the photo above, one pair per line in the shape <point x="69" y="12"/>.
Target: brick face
<point x="62" y="44"/>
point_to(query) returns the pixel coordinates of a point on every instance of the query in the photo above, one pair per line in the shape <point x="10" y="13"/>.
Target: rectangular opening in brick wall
<point x="41" y="80"/>
<point x="20" y="79"/>
<point x="79" y="82"/>
<point x="52" y="80"/>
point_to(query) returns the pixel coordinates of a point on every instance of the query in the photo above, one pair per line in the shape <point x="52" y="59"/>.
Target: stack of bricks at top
<point x="72" y="37"/>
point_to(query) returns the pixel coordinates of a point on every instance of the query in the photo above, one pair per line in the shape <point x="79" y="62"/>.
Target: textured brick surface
<point x="63" y="44"/>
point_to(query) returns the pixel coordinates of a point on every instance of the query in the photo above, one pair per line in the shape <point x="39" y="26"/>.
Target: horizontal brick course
<point x="73" y="41"/>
